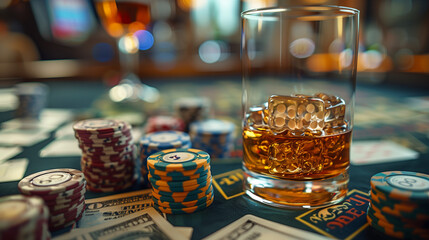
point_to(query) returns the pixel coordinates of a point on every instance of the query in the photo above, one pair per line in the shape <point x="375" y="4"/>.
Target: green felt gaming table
<point x="382" y="112"/>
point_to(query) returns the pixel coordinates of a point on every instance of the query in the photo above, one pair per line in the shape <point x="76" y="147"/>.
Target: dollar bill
<point x="118" y="199"/>
<point x="104" y="209"/>
<point x="92" y="217"/>
<point x="145" y="224"/>
<point x="252" y="227"/>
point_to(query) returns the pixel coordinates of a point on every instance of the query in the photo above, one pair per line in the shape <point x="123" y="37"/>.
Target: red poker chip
<point x="108" y="171"/>
<point x="99" y="125"/>
<point x="110" y="189"/>
<point x="128" y="150"/>
<point x="64" y="195"/>
<point x="95" y="175"/>
<point x="107" y="150"/>
<point x="91" y="162"/>
<point x="60" y="206"/>
<point x="72" y="213"/>
<point x="126" y="132"/>
<point x="65" y="225"/>
<point x="118" y="143"/>
<point x="67" y="216"/>
<point x="164" y="123"/>
<point x="94" y="180"/>
<point x="98" y="139"/>
<point x="63" y="210"/>
<point x="109" y="158"/>
<point x="66" y="200"/>
<point x="52" y="181"/>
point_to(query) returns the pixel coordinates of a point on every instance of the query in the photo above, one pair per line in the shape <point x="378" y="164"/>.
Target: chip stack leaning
<point x="181" y="180"/>
<point x="399" y="205"/>
<point x="23" y="218"/>
<point x="63" y="191"/>
<point x="213" y="136"/>
<point x="158" y="141"/>
<point x="108" y="154"/>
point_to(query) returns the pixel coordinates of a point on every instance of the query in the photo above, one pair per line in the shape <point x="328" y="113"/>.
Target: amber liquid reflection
<point x="121" y="17"/>
<point x="296" y="157"/>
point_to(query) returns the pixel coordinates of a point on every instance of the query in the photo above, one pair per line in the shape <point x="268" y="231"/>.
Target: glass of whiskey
<point x="299" y="77"/>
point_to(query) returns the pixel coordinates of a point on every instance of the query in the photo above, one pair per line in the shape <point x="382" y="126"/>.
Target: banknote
<point x="145" y="224"/>
<point x="118" y="199"/>
<point x="252" y="227"/>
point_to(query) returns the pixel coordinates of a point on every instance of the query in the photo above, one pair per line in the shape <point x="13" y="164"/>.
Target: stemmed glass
<point x="123" y="20"/>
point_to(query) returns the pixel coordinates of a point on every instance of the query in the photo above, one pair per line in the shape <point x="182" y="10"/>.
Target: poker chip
<point x="398" y="204"/>
<point x="158" y="141"/>
<point x="184" y="210"/>
<point x="99" y="126"/>
<point x="62" y="190"/>
<point x="402" y="185"/>
<point x="177" y="160"/>
<point x="108" y="154"/>
<point x="179" y="174"/>
<point x="31" y="99"/>
<point x="214" y="136"/>
<point x="164" y="123"/>
<point x="181" y="180"/>
<point x="23" y="217"/>
<point x="51" y="181"/>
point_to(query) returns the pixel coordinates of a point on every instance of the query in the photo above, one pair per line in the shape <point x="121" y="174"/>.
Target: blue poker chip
<point x="165" y="140"/>
<point x="402" y="185"/>
<point x="212" y="127"/>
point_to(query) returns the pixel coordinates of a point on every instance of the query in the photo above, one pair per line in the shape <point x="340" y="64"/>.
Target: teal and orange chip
<point x="186" y="209"/>
<point x="178" y="160"/>
<point x="182" y="196"/>
<point x="402" y="185"/>
<point x="183" y="204"/>
<point x="179" y="174"/>
<point x="179" y="184"/>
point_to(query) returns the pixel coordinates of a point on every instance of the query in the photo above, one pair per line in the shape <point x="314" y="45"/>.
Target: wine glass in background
<point x="127" y="21"/>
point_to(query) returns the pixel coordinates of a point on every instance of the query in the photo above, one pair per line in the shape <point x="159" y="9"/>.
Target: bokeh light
<point x="145" y="39"/>
<point x="210" y="51"/>
<point x="302" y="48"/>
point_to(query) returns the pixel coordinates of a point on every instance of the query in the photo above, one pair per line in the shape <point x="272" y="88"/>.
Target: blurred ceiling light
<point x="346" y="58"/>
<point x="115" y="29"/>
<point x="371" y="59"/>
<point x="185" y="5"/>
<point x="121" y="92"/>
<point x="128" y="44"/>
<point x="136" y="26"/>
<point x="302" y="47"/>
<point x="210" y="51"/>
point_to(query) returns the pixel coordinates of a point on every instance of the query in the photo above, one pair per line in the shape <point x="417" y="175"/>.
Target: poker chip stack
<point x="164" y="123"/>
<point x="63" y="191"/>
<point x="108" y="154"/>
<point x="158" y="141"/>
<point x="191" y="109"/>
<point x="181" y="180"/>
<point x="23" y="218"/>
<point x="213" y="136"/>
<point x="399" y="205"/>
<point x="31" y="99"/>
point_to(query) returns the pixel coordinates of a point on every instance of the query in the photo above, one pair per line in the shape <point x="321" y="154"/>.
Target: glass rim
<point x="347" y="11"/>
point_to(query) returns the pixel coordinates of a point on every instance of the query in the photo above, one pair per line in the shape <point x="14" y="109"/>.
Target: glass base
<point x="284" y="193"/>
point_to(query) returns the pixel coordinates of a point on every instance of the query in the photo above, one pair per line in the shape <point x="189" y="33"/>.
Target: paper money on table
<point x="105" y="209"/>
<point x="252" y="227"/>
<point x="147" y="223"/>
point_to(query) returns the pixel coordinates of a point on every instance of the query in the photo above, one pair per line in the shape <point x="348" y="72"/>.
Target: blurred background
<point x="78" y="39"/>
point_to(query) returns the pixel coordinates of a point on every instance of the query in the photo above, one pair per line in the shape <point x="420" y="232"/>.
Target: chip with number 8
<point x="402" y="185"/>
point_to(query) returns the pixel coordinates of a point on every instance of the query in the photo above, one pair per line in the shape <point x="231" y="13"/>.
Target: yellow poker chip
<point x="179" y="174"/>
<point x="183" y="204"/>
<point x="178" y="160"/>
